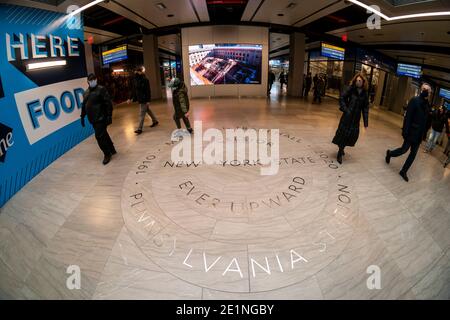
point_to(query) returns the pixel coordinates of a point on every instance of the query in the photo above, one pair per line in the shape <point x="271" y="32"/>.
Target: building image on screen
<point x="225" y="64"/>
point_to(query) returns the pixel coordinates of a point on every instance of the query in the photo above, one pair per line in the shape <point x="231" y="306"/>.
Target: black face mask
<point x="424" y="94"/>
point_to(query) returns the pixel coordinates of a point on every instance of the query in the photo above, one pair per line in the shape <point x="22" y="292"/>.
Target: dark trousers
<point x="403" y="149"/>
<point x="306" y="91"/>
<point x="177" y="117"/>
<point x="317" y="97"/>
<point x="103" y="139"/>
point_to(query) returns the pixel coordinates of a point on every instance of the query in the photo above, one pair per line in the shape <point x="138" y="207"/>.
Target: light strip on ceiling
<point x="407" y="16"/>
<point x="46" y="64"/>
<point x="93" y="3"/>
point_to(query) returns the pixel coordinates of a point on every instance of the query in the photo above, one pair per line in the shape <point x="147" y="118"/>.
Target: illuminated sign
<point x="445" y="93"/>
<point x="330" y="51"/>
<point x="409" y="70"/>
<point x="114" y="55"/>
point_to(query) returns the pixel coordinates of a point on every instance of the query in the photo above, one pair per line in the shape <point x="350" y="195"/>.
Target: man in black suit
<point x="414" y="125"/>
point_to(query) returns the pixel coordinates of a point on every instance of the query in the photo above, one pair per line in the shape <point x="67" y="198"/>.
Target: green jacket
<point x="181" y="99"/>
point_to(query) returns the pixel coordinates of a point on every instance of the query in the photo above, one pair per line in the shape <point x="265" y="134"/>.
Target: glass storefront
<point x="331" y="69"/>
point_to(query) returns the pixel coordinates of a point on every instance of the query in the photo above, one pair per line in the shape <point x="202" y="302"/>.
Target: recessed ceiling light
<point x="170" y="15"/>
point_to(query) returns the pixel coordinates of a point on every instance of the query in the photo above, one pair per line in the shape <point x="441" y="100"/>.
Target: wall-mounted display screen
<point x="409" y="70"/>
<point x="445" y="93"/>
<point x="114" y="55"/>
<point x="447" y="105"/>
<point x="330" y="51"/>
<point x="225" y="64"/>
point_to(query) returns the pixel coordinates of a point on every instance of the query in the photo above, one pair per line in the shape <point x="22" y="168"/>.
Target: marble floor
<point x="143" y="227"/>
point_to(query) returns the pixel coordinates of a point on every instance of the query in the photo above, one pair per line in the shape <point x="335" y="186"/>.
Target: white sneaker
<point x="176" y="135"/>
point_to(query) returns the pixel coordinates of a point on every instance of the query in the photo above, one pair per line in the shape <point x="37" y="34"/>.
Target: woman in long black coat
<point x="353" y="102"/>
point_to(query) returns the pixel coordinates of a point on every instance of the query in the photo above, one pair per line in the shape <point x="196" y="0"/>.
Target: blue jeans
<point x="432" y="139"/>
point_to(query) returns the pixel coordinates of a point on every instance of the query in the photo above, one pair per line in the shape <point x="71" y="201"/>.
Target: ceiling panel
<point x="278" y="40"/>
<point x="171" y="42"/>
<point x="98" y="35"/>
<point x="438" y="60"/>
<point x="429" y="32"/>
<point x="176" y="11"/>
<point x="294" y="12"/>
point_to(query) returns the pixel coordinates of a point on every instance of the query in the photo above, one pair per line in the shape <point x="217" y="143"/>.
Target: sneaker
<point x="388" y="156"/>
<point x="154" y="124"/>
<point x="404" y="176"/>
<point x="106" y="159"/>
<point x="139" y="131"/>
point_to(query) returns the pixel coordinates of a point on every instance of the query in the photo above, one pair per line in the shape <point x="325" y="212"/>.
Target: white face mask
<point x="92" y="83"/>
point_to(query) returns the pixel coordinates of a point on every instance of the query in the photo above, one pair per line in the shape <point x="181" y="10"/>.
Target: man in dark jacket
<point x="97" y="106"/>
<point x="414" y="124"/>
<point x="438" y="122"/>
<point x="141" y="93"/>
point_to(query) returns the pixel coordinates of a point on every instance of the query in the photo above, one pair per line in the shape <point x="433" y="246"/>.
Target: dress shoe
<point x="138" y="131"/>
<point x="113" y="152"/>
<point x="339" y="157"/>
<point x="388" y="156"/>
<point x="404" y="176"/>
<point x="154" y="124"/>
<point x="106" y="159"/>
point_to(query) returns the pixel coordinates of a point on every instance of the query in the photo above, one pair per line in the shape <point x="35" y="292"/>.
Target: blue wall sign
<point x="43" y="77"/>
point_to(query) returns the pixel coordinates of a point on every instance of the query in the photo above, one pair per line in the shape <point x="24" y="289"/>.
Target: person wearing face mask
<point x="353" y="103"/>
<point x="97" y="106"/>
<point x="142" y="94"/>
<point x="180" y="101"/>
<point x="414" y="125"/>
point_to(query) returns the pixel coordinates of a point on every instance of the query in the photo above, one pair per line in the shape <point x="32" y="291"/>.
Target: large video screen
<point x="225" y="64"/>
<point x="114" y="55"/>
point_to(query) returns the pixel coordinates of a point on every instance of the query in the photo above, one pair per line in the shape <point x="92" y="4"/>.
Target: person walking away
<point x="325" y="84"/>
<point x="308" y="82"/>
<point x="353" y="102"/>
<point x="414" y="125"/>
<point x="318" y="90"/>
<point x="271" y="81"/>
<point x="282" y="80"/>
<point x="180" y="101"/>
<point x="97" y="106"/>
<point x="438" y="122"/>
<point x="142" y="94"/>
